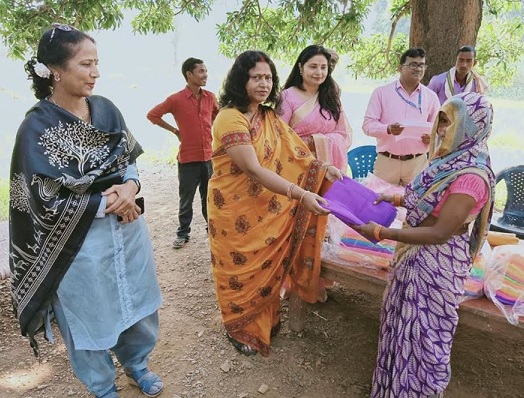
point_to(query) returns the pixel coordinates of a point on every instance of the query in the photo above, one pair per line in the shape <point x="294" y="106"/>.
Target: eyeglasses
<point x="259" y="78"/>
<point x="59" y="26"/>
<point x="415" y="66"/>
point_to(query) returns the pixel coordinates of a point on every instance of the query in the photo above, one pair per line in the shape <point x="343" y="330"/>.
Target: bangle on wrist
<point x="397" y="200"/>
<point x="376" y="232"/>
<point x="302" y="196"/>
<point x="289" y="192"/>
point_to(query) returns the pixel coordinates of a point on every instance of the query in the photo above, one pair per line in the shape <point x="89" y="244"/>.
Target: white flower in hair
<point x="42" y="70"/>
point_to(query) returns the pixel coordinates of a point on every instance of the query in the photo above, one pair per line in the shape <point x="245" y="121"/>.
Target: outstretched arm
<point x="245" y="158"/>
<point x="452" y="218"/>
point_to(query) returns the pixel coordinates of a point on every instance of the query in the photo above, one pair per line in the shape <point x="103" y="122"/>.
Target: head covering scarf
<point x="60" y="166"/>
<point x="462" y="150"/>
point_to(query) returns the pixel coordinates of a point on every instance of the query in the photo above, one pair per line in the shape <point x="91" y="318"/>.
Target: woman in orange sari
<point x="258" y="236"/>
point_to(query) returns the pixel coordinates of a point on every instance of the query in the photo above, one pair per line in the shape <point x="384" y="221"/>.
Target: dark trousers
<point x="191" y="176"/>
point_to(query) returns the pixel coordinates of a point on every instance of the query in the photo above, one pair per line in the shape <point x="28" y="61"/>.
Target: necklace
<point x="86" y="117"/>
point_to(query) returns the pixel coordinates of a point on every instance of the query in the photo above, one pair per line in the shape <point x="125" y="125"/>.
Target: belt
<point x="400" y="157"/>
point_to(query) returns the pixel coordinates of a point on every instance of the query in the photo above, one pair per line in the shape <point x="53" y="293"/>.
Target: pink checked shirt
<point x="386" y="107"/>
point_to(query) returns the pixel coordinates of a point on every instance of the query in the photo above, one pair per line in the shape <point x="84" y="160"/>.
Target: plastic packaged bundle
<point x="474" y="286"/>
<point x="353" y="203"/>
<point x="378" y="185"/>
<point x="504" y="283"/>
<point x="348" y="245"/>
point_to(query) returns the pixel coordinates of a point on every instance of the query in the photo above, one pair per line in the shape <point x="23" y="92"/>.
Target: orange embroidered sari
<point x="257" y="237"/>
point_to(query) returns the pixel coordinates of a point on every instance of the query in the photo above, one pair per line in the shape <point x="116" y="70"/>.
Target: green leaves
<point x="499" y="48"/>
<point x="24" y="21"/>
<point x="372" y="58"/>
<point x="280" y="27"/>
<point x="284" y="28"/>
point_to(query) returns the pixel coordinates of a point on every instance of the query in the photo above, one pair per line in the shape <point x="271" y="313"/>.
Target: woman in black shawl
<point x="79" y="249"/>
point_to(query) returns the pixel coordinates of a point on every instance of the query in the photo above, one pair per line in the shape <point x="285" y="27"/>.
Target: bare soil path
<point x="332" y="358"/>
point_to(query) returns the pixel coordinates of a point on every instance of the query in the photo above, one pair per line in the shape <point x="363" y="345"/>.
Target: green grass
<point x="501" y="193"/>
<point x="167" y="155"/>
<point x="4" y="198"/>
<point x="510" y="141"/>
<point x="507" y="103"/>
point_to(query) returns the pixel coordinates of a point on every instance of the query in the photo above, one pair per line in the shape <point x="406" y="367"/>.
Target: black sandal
<point x="242" y="348"/>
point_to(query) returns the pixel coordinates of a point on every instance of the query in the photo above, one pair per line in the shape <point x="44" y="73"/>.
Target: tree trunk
<point x="441" y="27"/>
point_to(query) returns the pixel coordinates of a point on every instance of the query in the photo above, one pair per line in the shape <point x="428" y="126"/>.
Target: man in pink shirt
<point x="400" y="116"/>
<point x="194" y="110"/>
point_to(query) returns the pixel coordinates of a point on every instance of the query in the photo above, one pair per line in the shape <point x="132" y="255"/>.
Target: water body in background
<point x="139" y="71"/>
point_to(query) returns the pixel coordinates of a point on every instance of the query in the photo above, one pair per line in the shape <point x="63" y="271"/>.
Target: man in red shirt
<point x="194" y="110"/>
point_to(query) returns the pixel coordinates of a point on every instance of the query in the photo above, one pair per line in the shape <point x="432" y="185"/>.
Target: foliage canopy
<point x="280" y="27"/>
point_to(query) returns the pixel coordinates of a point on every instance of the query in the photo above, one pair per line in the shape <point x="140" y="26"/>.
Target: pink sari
<point x="332" y="139"/>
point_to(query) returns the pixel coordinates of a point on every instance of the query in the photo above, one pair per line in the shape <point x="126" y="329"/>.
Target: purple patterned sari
<point x="419" y="311"/>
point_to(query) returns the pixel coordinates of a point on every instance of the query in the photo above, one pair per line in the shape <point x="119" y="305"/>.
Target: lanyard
<point x="410" y="103"/>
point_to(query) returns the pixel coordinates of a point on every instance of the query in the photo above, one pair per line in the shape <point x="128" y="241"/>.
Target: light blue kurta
<point x="111" y="284"/>
<point x="112" y="281"/>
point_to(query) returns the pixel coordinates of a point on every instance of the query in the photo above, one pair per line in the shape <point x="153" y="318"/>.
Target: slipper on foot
<point x="242" y="348"/>
<point x="148" y="382"/>
<point x="180" y="242"/>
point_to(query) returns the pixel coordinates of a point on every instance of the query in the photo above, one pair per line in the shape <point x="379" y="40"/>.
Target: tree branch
<point x="400" y="12"/>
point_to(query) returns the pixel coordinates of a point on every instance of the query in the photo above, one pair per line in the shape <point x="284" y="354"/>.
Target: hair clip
<point x="59" y="26"/>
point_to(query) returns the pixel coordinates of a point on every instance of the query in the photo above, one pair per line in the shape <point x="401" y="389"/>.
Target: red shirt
<point x="193" y="118"/>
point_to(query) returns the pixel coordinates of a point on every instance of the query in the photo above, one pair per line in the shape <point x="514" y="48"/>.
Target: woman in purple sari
<point x="432" y="261"/>
<point x="310" y="104"/>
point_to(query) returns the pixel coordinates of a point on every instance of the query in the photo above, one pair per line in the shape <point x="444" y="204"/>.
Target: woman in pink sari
<point x="310" y="104"/>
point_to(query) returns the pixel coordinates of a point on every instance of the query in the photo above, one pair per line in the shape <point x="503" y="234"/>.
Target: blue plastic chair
<point x="361" y="161"/>
<point x="512" y="219"/>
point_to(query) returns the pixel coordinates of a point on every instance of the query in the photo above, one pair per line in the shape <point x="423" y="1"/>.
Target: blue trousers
<point x="96" y="368"/>
<point x="191" y="176"/>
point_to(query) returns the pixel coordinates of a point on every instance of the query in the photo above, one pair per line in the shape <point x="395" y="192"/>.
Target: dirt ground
<point x="333" y="357"/>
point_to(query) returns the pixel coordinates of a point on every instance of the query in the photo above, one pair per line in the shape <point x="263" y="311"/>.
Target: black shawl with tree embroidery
<point x="60" y="166"/>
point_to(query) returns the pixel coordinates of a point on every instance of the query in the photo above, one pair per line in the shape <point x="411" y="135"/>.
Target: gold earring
<point x="56" y="77"/>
